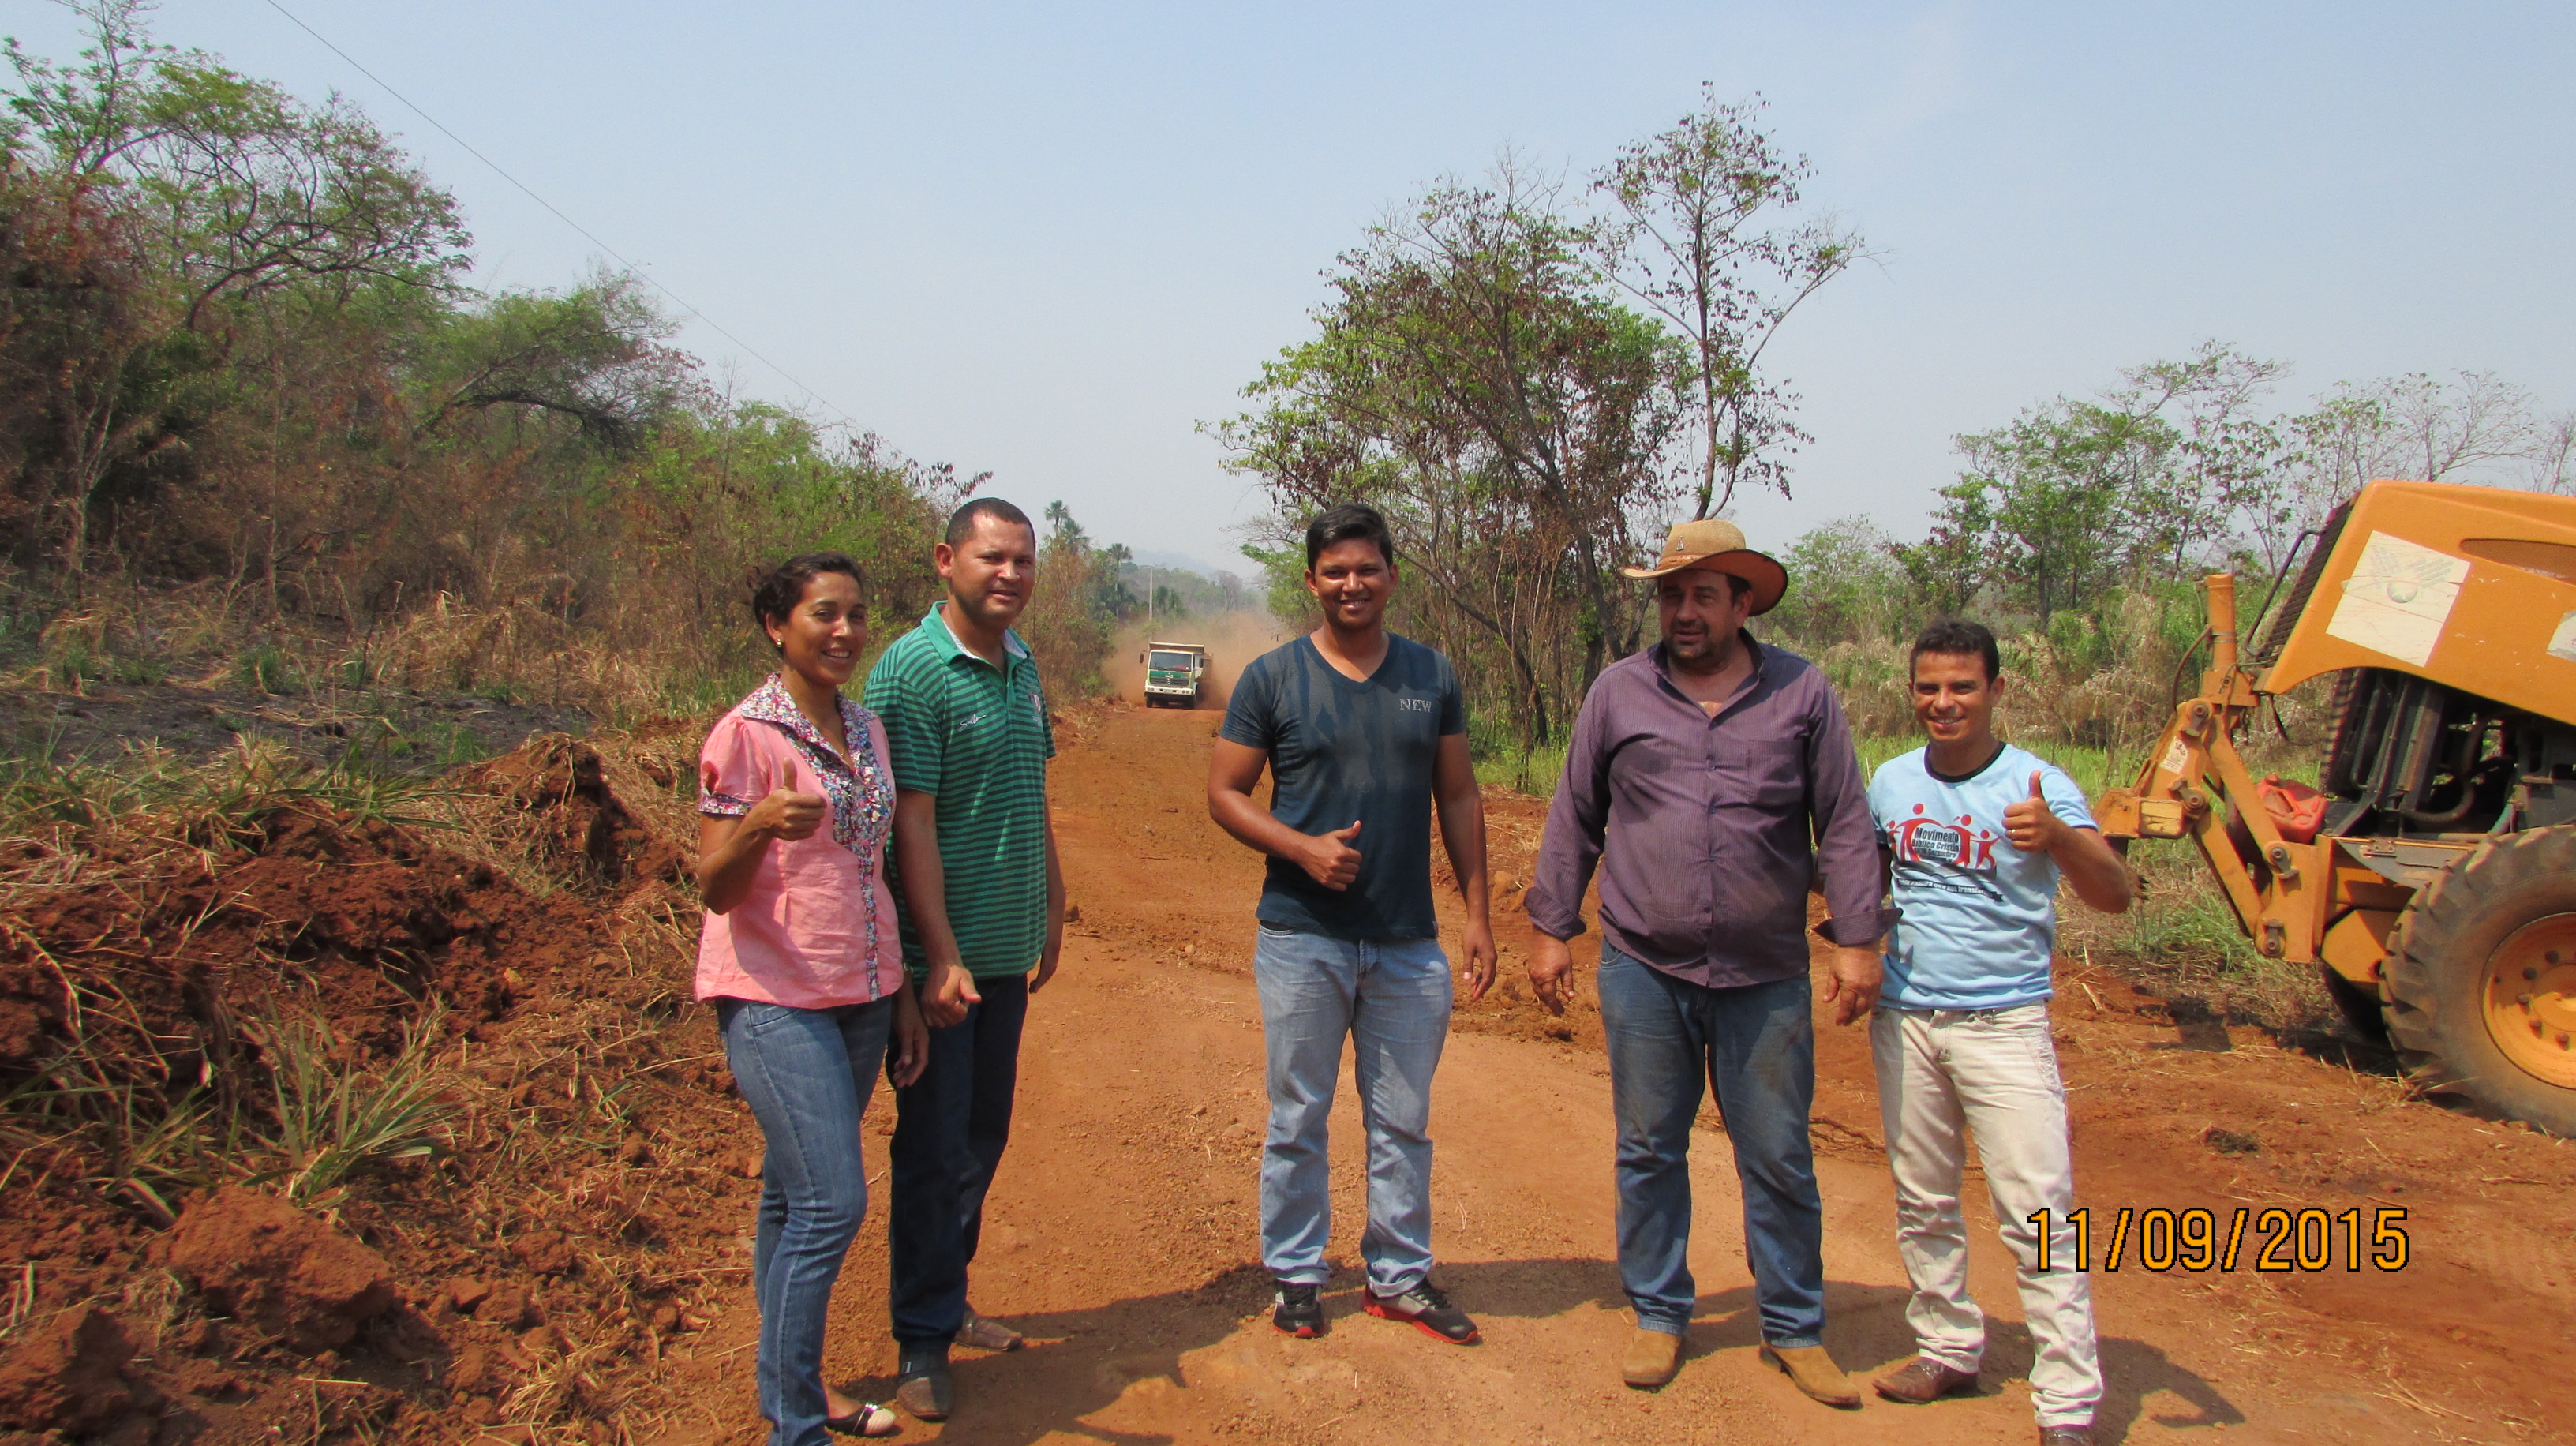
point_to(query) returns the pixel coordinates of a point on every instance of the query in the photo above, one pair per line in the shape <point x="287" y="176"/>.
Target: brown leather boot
<point x="1653" y="1358"/>
<point x="1923" y="1380"/>
<point x="1814" y="1372"/>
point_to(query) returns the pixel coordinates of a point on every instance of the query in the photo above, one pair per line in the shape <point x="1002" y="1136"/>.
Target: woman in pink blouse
<point x="801" y="960"/>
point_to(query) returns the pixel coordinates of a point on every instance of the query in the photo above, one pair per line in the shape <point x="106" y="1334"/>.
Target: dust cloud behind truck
<point x="1173" y="672"/>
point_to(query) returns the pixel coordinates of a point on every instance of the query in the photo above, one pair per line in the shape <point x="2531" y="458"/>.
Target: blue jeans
<point x="807" y="1074"/>
<point x="1756" y="1047"/>
<point x="950" y="1128"/>
<point x="1392" y="1000"/>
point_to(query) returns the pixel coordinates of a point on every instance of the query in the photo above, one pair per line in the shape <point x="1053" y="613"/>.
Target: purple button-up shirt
<point x="1709" y="830"/>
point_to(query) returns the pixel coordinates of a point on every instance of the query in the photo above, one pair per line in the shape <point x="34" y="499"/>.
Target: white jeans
<point x="1941" y="1074"/>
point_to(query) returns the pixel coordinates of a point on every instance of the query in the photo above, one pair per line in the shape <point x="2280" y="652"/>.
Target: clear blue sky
<point x="1046" y="240"/>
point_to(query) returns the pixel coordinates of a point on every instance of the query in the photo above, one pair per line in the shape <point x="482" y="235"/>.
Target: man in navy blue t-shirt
<point x="1365" y="734"/>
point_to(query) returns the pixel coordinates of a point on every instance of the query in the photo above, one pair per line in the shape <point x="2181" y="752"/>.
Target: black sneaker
<point x="1428" y="1309"/>
<point x="1297" y="1310"/>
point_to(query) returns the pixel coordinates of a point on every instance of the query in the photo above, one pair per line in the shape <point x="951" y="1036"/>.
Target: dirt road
<point x="1121" y="1235"/>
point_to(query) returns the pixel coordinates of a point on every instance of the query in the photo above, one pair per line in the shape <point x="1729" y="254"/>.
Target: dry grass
<point x="2181" y="943"/>
<point x="2114" y="690"/>
<point x="213" y="634"/>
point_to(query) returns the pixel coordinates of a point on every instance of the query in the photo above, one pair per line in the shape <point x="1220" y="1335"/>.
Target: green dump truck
<point x="1172" y="674"/>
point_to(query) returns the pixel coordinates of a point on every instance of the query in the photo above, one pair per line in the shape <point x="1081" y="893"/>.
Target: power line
<point x="631" y="268"/>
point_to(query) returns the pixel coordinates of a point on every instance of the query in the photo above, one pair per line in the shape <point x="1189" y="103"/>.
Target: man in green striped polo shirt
<point x="983" y="905"/>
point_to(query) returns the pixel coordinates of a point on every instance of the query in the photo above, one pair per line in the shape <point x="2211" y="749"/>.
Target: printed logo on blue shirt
<point x="1921" y="838"/>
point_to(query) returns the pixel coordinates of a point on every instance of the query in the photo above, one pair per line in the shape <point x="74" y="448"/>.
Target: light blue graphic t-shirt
<point x="1979" y="916"/>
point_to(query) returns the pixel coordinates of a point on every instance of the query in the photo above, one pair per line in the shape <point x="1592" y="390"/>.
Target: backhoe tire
<point x="2358" y="1004"/>
<point x="2482" y="981"/>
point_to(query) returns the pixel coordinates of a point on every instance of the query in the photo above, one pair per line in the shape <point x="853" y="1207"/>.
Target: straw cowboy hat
<point x="1719" y="547"/>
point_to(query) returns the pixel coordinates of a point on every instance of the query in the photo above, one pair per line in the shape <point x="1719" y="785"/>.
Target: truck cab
<point x="1172" y="674"/>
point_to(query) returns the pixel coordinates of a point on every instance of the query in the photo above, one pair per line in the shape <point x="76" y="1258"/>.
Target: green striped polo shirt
<point x="977" y="738"/>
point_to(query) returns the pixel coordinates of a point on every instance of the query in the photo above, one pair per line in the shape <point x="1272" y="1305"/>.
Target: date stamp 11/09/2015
<point x="2278" y="1240"/>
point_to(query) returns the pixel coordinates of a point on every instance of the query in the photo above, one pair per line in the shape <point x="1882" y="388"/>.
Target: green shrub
<point x="265" y="668"/>
<point x="335" y="1122"/>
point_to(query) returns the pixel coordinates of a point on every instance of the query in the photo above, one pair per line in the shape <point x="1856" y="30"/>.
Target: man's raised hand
<point x="2029" y="823"/>
<point x="786" y="814"/>
<point x="1329" y="858"/>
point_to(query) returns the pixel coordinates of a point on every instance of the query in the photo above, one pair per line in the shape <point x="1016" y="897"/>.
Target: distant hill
<point x="1199" y="565"/>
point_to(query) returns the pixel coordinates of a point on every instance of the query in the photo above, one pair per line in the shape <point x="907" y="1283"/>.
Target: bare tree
<point x="2552" y="456"/>
<point x="2474" y="426"/>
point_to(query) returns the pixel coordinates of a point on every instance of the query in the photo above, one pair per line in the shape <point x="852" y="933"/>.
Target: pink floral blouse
<point x="817" y="930"/>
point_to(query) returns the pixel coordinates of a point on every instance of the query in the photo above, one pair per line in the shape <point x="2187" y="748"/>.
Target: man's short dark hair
<point x="1348" y="522"/>
<point x="961" y="523"/>
<point x="1957" y="638"/>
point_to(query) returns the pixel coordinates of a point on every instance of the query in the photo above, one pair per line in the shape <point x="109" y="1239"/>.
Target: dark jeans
<point x="1756" y="1046"/>
<point x="950" y="1127"/>
<point x="807" y="1075"/>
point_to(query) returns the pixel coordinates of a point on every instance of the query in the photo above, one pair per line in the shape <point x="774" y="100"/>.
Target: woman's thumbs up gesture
<point x="786" y="814"/>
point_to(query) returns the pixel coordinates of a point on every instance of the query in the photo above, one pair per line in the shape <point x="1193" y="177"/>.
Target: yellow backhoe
<point x="2432" y="875"/>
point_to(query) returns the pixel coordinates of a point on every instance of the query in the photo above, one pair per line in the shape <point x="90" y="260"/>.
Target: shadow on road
<point x="1079" y="1363"/>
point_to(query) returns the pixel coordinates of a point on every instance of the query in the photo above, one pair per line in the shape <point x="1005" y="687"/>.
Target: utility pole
<point x="1149" y="600"/>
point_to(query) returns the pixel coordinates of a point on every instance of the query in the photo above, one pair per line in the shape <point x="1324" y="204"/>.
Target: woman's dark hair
<point x="1348" y="522"/>
<point x="1957" y="638"/>
<point x="778" y="591"/>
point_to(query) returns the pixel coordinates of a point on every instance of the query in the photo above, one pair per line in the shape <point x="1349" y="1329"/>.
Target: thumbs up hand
<point x="1329" y="859"/>
<point x="2031" y="825"/>
<point x="786" y="814"/>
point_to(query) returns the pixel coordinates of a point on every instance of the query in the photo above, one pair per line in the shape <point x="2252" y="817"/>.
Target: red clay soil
<point x="556" y="787"/>
<point x="254" y="1258"/>
<point x="575" y="1268"/>
<point x="520" y="1276"/>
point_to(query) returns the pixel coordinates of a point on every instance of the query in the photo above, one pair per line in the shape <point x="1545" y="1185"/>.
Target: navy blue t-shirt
<point x="1342" y="752"/>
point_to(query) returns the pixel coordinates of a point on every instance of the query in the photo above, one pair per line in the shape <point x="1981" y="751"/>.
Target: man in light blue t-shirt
<point x="1976" y="834"/>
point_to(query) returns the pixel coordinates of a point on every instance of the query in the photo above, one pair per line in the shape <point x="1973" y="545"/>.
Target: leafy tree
<point x="1283" y="589"/>
<point x="2063" y="502"/>
<point x="2222" y="488"/>
<point x="592" y="356"/>
<point x="1845" y="584"/>
<point x="222" y="190"/>
<point x="241" y="188"/>
<point x="1470" y="379"/>
<point x="2169" y="469"/>
<point x="1685" y="238"/>
<point x="77" y="310"/>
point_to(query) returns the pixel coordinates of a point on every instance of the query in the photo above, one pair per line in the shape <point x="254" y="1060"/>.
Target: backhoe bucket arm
<point x="2194" y="784"/>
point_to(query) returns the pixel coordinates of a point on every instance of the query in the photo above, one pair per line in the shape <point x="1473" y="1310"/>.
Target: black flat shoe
<point x="870" y="1419"/>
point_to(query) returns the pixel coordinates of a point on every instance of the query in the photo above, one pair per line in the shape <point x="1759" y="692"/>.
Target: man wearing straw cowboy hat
<point x="1711" y="778"/>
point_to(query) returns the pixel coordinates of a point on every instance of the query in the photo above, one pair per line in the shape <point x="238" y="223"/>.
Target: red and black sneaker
<point x="1297" y="1310"/>
<point x="1429" y="1310"/>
